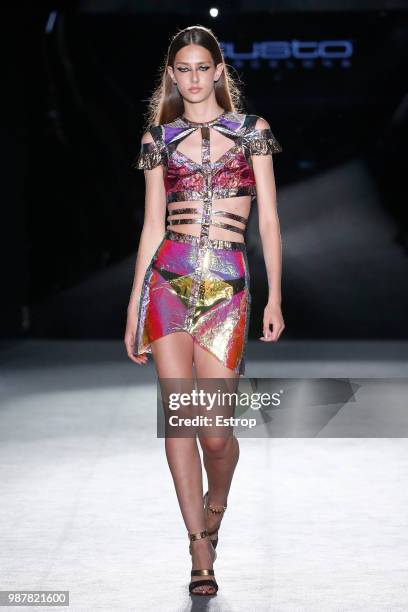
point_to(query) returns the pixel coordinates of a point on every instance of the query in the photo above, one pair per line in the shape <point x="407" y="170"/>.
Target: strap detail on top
<point x="232" y="228"/>
<point x="184" y="221"/>
<point x="249" y="123"/>
<point x="166" y="138"/>
<point x="198" y="221"/>
<point x="219" y="193"/>
<point x="227" y="226"/>
<point x="184" y="211"/>
<point x="225" y="213"/>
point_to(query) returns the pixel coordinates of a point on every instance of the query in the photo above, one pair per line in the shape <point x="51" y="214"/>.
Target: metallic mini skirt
<point x="202" y="290"/>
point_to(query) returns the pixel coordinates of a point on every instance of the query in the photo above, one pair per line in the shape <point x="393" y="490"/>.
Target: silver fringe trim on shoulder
<point x="263" y="142"/>
<point x="148" y="158"/>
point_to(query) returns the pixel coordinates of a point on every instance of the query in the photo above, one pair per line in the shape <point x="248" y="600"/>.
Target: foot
<point x="203" y="555"/>
<point x="214" y="514"/>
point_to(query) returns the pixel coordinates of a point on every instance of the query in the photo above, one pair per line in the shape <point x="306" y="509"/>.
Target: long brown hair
<point x="166" y="103"/>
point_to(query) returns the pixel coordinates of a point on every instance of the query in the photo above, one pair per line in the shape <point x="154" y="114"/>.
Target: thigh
<point x="215" y="379"/>
<point x="173" y="358"/>
<point x="173" y="355"/>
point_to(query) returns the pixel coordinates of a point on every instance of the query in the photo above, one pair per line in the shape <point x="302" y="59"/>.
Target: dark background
<point x="77" y="80"/>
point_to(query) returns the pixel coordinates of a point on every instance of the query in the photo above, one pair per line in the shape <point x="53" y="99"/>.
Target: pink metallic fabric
<point x="193" y="283"/>
<point x="213" y="306"/>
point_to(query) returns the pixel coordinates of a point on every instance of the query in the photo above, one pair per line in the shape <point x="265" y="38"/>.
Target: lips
<point x="195" y="89"/>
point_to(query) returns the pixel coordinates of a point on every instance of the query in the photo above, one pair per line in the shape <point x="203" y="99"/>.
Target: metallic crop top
<point x="231" y="175"/>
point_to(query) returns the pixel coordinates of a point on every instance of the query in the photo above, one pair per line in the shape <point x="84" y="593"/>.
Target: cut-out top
<point x="229" y="176"/>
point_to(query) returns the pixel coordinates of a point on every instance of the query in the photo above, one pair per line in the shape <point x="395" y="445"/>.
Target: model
<point x="204" y="162"/>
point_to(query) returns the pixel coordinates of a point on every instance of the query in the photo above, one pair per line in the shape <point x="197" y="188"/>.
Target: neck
<point x="199" y="114"/>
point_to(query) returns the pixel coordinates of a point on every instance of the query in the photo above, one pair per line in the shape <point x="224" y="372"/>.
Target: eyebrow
<point x="188" y="64"/>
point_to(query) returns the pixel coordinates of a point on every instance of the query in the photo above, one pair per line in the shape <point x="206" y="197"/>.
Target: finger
<point x="266" y="328"/>
<point x="279" y="331"/>
<point x="272" y="336"/>
<point x="131" y="356"/>
<point x="264" y="333"/>
<point x="139" y="359"/>
<point x="276" y="331"/>
<point x="142" y="358"/>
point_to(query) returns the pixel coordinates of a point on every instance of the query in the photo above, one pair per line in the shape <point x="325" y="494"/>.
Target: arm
<point x="154" y="227"/>
<point x="269" y="228"/>
<point x="153" y="224"/>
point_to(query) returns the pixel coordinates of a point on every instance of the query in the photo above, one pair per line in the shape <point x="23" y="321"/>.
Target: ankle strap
<point x="198" y="535"/>
<point x="216" y="509"/>
<point x="212" y="508"/>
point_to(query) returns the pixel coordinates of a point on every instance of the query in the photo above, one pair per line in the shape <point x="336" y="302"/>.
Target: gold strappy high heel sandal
<point x="214" y="510"/>
<point x="202" y="572"/>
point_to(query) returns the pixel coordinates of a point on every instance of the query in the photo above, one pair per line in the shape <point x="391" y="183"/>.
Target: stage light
<point x="214" y="12"/>
<point x="52" y="17"/>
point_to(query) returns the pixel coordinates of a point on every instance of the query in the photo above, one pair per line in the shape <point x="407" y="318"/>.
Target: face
<point x="194" y="72"/>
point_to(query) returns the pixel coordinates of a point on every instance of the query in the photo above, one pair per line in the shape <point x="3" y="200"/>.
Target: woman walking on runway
<point x="204" y="163"/>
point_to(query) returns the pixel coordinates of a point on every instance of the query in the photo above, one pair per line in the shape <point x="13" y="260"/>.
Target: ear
<point x="218" y="71"/>
<point x="170" y="72"/>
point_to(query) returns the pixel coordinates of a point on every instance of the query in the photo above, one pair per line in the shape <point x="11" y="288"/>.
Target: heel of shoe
<point x="194" y="584"/>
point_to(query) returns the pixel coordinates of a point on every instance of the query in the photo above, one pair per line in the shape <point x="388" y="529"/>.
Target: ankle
<point x="216" y="506"/>
<point x="202" y="543"/>
<point x="202" y="548"/>
<point x="196" y="536"/>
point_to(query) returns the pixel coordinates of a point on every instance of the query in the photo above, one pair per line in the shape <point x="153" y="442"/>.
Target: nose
<point x="194" y="76"/>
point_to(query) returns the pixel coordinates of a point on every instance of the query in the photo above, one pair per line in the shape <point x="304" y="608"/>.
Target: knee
<point x="215" y="447"/>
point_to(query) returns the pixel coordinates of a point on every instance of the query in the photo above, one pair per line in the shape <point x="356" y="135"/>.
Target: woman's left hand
<point x="272" y="316"/>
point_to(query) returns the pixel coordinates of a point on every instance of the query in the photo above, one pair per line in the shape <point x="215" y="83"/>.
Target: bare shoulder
<point x="261" y="124"/>
<point x="147" y="137"/>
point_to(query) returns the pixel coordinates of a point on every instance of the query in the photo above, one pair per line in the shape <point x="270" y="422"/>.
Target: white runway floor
<point x="87" y="501"/>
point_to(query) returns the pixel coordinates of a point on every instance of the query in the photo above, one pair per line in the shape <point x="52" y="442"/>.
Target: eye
<point x="185" y="69"/>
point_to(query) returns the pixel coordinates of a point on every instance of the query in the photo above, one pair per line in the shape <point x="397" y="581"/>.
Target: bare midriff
<point x="239" y="206"/>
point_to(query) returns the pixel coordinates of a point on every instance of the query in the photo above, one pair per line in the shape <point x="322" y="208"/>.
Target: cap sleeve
<point x="259" y="137"/>
<point x="149" y="156"/>
<point x="263" y="142"/>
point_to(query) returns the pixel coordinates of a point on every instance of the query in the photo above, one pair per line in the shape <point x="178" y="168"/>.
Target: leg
<point x="173" y="357"/>
<point x="220" y="454"/>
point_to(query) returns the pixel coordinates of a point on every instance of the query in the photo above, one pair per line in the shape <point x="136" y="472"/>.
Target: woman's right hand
<point x="130" y="338"/>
